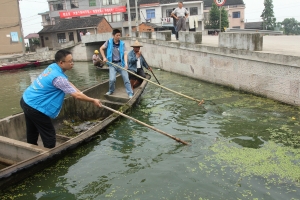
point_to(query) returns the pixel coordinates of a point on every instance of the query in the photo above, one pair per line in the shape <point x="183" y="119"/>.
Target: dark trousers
<point x="98" y="64"/>
<point x="38" y="123"/>
<point x="139" y="72"/>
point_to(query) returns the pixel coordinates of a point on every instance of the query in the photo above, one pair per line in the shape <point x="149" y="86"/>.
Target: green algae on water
<point x="268" y="162"/>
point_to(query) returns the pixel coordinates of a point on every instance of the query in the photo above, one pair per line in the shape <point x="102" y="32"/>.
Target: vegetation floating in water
<point x="277" y="164"/>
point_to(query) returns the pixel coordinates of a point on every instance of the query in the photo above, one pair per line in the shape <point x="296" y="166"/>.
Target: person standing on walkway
<point x="88" y="33"/>
<point x="135" y="64"/>
<point x="116" y="54"/>
<point x="43" y="99"/>
<point x="97" y="60"/>
<point x="180" y="14"/>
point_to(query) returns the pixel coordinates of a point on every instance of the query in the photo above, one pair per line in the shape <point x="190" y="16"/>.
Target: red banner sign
<point x="77" y="13"/>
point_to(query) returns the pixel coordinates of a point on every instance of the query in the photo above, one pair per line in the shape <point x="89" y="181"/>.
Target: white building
<point x="159" y="14"/>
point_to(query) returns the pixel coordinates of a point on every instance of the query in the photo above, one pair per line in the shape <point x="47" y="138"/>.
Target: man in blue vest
<point x="43" y="99"/>
<point x="116" y="54"/>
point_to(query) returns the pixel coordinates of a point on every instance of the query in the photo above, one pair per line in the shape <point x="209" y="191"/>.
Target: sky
<point x="31" y="21"/>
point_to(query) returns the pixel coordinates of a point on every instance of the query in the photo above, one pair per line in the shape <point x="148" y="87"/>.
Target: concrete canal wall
<point x="274" y="76"/>
<point x="232" y="62"/>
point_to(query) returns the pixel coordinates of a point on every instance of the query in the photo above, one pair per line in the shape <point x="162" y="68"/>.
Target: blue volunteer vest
<point x="42" y="95"/>
<point x="110" y="51"/>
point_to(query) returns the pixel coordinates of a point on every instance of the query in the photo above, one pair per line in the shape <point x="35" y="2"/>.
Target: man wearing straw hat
<point x="136" y="63"/>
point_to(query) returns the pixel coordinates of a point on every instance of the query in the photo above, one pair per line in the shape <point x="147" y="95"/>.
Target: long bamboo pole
<point x="197" y="100"/>
<point x="153" y="128"/>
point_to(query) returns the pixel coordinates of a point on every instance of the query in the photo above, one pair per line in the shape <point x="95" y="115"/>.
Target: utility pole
<point x="136" y="16"/>
<point x="220" y="18"/>
<point x="21" y="30"/>
<point x="66" y="5"/>
<point x="129" y="17"/>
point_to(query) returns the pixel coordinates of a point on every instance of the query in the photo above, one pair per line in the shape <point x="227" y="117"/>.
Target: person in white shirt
<point x="180" y="14"/>
<point x="88" y="33"/>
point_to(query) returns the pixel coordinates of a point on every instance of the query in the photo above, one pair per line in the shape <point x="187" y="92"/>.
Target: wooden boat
<point x="13" y="66"/>
<point x="19" y="159"/>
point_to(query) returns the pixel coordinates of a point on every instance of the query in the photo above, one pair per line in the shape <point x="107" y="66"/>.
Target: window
<point x="61" y="37"/>
<point x="116" y="18"/>
<point x="168" y="12"/>
<point x="194" y="11"/>
<point x="236" y="27"/>
<point x="236" y="14"/>
<point x="150" y="13"/>
<point x="92" y="3"/>
<point x="132" y="16"/>
<point x="58" y="6"/>
<point x="206" y="16"/>
<point x="108" y="17"/>
<point x="110" y="2"/>
<point x="74" y="4"/>
<point x="46" y="38"/>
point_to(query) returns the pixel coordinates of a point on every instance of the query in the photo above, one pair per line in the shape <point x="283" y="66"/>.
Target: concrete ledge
<point x="95" y="38"/>
<point x="163" y="35"/>
<point x="242" y="41"/>
<point x="190" y="37"/>
<point x="146" y="35"/>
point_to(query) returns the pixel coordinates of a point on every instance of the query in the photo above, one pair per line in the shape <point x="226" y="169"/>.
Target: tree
<point x="214" y="18"/>
<point x="269" y="21"/>
<point x="291" y="26"/>
<point x="224" y="19"/>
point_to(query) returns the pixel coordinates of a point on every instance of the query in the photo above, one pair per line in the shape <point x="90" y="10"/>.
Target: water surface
<point x="242" y="147"/>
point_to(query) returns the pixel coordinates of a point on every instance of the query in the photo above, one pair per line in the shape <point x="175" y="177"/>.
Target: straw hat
<point x="96" y="51"/>
<point x="136" y="44"/>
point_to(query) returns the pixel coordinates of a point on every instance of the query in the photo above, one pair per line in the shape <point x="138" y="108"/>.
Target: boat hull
<point x="16" y="66"/>
<point x="35" y="158"/>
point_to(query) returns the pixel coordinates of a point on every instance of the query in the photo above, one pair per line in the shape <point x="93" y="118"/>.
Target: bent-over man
<point x="43" y="99"/>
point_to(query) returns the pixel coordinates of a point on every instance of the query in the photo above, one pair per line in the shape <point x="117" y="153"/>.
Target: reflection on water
<point x="242" y="147"/>
<point x="13" y="83"/>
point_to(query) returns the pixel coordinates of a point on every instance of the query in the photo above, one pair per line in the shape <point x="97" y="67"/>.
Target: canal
<point x="242" y="146"/>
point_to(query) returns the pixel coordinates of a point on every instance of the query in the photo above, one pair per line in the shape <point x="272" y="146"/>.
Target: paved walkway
<point x="280" y="44"/>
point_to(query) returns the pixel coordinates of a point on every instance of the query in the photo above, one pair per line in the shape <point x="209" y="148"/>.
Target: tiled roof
<point x="32" y="35"/>
<point x="207" y="3"/>
<point x="253" y="25"/>
<point x="150" y="24"/>
<point x="75" y="23"/>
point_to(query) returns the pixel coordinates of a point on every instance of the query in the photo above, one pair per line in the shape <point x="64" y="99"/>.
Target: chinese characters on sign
<point x="77" y="13"/>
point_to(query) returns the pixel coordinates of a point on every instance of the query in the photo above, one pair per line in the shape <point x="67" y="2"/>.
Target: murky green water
<point x="13" y="83"/>
<point x="242" y="147"/>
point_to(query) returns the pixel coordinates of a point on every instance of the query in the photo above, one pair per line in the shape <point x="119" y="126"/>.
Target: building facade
<point x="68" y="9"/>
<point x="159" y="13"/>
<point x="235" y="9"/>
<point x="69" y="31"/>
<point x="11" y="38"/>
